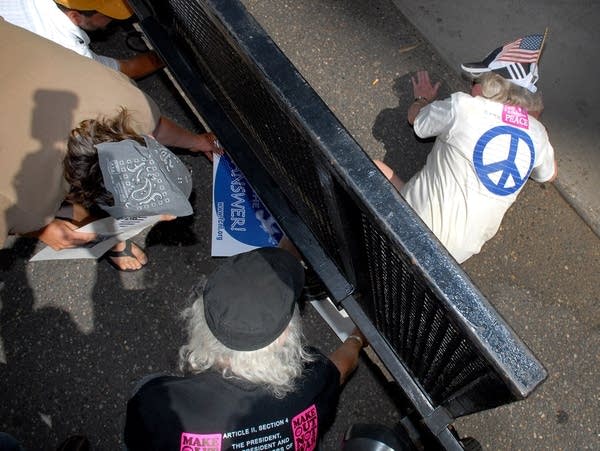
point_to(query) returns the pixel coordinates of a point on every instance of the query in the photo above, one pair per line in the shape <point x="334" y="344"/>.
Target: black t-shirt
<point x="206" y="412"/>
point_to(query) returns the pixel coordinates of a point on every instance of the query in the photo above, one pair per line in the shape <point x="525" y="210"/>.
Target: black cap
<point x="249" y="300"/>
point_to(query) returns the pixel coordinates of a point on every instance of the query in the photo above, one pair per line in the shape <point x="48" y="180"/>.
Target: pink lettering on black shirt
<point x="305" y="429"/>
<point x="200" y="442"/>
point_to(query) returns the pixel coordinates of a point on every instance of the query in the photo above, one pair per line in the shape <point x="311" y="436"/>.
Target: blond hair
<point x="499" y="89"/>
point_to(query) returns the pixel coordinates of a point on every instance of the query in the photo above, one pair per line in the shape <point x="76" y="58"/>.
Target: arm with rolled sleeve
<point x="434" y="119"/>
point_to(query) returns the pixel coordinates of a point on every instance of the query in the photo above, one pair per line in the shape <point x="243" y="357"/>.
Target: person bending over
<point x="46" y="95"/>
<point x="487" y="145"/>
<point x="252" y="380"/>
<point x="111" y="166"/>
<point x="66" y="22"/>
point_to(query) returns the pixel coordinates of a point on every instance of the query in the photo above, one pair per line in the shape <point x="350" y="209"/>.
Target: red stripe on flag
<point x="512" y="52"/>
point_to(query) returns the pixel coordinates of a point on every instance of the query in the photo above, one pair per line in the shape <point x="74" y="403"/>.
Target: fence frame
<point x="340" y="161"/>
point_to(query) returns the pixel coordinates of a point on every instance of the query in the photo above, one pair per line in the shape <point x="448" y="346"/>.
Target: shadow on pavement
<point x="406" y="153"/>
<point x="62" y="381"/>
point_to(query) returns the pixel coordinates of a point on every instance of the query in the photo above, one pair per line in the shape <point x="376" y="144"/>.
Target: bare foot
<point x="126" y="256"/>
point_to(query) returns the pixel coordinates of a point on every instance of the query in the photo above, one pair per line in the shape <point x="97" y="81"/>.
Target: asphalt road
<point x="75" y="336"/>
<point x="466" y="30"/>
<point x="540" y="271"/>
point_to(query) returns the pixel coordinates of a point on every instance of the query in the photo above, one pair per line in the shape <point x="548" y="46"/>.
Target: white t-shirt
<point x="44" y="18"/>
<point x="482" y="157"/>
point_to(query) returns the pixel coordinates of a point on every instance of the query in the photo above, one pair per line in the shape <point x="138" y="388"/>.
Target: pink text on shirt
<point x="516" y="116"/>
<point x="200" y="442"/>
<point x="305" y="429"/>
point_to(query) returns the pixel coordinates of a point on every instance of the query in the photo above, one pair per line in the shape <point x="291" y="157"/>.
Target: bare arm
<point x="424" y="93"/>
<point x="169" y="133"/>
<point x="60" y="234"/>
<point x="345" y="357"/>
<point x="141" y="65"/>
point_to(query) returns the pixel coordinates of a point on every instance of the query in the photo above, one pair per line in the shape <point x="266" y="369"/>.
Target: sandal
<point x="126" y="252"/>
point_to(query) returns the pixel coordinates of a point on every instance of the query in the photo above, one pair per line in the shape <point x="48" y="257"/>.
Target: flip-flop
<point x="126" y="252"/>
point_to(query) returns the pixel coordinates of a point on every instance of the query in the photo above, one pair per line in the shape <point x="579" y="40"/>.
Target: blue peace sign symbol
<point x="510" y="179"/>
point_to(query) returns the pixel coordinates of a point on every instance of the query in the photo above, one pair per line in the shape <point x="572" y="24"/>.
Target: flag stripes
<point x="523" y="50"/>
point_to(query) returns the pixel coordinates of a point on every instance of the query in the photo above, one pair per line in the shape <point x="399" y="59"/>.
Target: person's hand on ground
<point x="423" y="88"/>
<point x="61" y="234"/>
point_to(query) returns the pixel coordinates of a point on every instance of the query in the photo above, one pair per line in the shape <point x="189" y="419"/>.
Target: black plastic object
<point x="375" y="437"/>
<point x="438" y="336"/>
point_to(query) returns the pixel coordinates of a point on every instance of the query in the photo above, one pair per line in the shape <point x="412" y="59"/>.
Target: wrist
<point x="422" y="99"/>
<point x="355" y="338"/>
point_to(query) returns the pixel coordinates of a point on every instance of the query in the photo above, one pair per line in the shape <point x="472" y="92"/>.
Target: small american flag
<point x="524" y="50"/>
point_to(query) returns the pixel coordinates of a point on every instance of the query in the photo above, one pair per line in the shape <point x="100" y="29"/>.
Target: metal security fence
<point x="447" y="347"/>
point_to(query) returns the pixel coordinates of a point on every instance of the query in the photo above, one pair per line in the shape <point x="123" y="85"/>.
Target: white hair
<point x="276" y="367"/>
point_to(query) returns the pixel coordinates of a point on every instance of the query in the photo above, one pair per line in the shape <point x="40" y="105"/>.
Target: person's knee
<point x="389" y="174"/>
<point x="387" y="171"/>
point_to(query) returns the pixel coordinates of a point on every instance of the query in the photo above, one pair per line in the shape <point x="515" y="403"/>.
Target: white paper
<point x="110" y="231"/>
<point x="338" y="320"/>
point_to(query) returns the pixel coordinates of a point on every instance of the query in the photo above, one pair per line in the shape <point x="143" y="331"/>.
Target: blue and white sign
<point x="240" y="220"/>
<point x="503" y="158"/>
